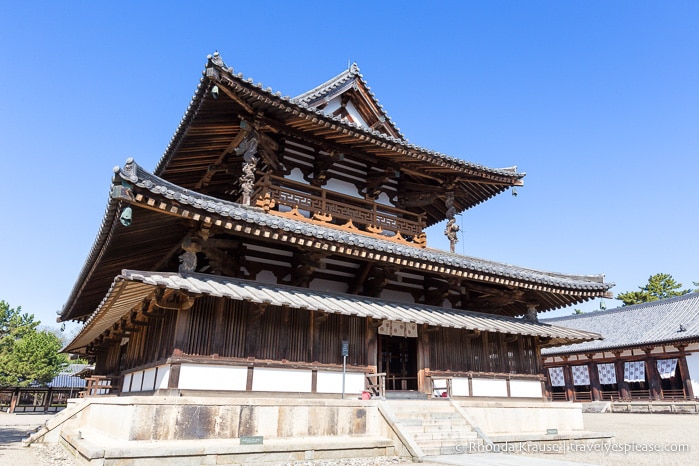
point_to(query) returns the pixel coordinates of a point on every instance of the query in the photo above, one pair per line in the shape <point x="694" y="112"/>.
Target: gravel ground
<point x="641" y="439"/>
<point x="647" y="438"/>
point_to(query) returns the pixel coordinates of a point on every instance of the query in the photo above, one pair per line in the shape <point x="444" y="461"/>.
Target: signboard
<point x="251" y="440"/>
<point x="345" y="347"/>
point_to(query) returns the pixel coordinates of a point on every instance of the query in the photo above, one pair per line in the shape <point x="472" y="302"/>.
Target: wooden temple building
<point x="281" y="241"/>
<point x="650" y="351"/>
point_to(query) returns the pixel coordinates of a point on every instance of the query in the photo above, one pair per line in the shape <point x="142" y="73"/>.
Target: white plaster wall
<point x="212" y="377"/>
<point x="459" y="386"/>
<point x="489" y="387"/>
<point x="352" y="110"/>
<point x="400" y="296"/>
<point x="693" y="365"/>
<point x="342" y="187"/>
<point x="148" y="379"/>
<point x="282" y="380"/>
<point x="328" y="285"/>
<point x="331" y="382"/>
<point x="163" y="377"/>
<point x="136" y="380"/>
<point x="127" y="382"/>
<point x="525" y="388"/>
<point x="266" y="276"/>
<point x="296" y="175"/>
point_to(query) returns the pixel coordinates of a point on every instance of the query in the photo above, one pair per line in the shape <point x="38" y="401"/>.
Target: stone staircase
<point x="435" y="426"/>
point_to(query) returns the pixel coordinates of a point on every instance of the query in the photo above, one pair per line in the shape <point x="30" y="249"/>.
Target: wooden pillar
<point x="620" y="382"/>
<point x="595" y="386"/>
<point x="252" y="337"/>
<point x="568" y="378"/>
<point x="13" y="401"/>
<point x="218" y="342"/>
<point x="372" y="346"/>
<point x="47" y="401"/>
<point x="182" y="328"/>
<point x="684" y="373"/>
<point x="423" y="360"/>
<point x="173" y="380"/>
<point x="652" y="375"/>
<point x="317" y="320"/>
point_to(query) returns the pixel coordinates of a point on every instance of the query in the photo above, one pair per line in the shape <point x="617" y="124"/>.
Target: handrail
<point x="322" y="202"/>
<point x="376" y="384"/>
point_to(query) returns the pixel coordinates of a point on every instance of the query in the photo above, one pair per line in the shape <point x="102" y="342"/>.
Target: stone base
<point x="89" y="447"/>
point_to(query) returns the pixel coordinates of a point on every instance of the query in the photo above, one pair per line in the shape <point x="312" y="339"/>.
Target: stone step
<point x="444" y="436"/>
<point x="453" y="449"/>
<point x="427" y="415"/>
<point x="420" y="429"/>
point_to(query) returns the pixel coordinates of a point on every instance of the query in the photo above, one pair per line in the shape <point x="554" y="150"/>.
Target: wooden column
<point x="47" y="401"/>
<point x="568" y="377"/>
<point x="620" y="383"/>
<point x="372" y="346"/>
<point x="317" y="320"/>
<point x="219" y="337"/>
<point x="252" y="337"/>
<point x="595" y="386"/>
<point x="182" y="332"/>
<point x="684" y="373"/>
<point x="423" y="360"/>
<point x="652" y="375"/>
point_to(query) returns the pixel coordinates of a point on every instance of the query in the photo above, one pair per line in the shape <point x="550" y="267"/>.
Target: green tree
<point x="659" y="286"/>
<point x="26" y="355"/>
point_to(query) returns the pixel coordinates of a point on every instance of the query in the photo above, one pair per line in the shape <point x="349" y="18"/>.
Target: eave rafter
<point x="308" y="122"/>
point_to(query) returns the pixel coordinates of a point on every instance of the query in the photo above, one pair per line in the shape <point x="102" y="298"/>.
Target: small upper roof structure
<point x="347" y="95"/>
<point x="667" y="321"/>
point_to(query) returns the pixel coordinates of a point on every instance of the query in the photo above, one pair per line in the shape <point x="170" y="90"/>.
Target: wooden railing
<point x="559" y="396"/>
<point x="609" y="395"/>
<point x="35" y="400"/>
<point x="97" y="385"/>
<point x="674" y="394"/>
<point x="583" y="396"/>
<point x="325" y="205"/>
<point x="441" y="386"/>
<point x="376" y="384"/>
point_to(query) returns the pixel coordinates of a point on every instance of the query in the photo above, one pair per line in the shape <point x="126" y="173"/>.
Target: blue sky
<point x="596" y="101"/>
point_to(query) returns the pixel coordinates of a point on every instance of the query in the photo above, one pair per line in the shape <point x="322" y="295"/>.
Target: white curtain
<point x="581" y="376"/>
<point x="635" y="371"/>
<point x="666" y="367"/>
<point x="556" y="376"/>
<point x="607" y="373"/>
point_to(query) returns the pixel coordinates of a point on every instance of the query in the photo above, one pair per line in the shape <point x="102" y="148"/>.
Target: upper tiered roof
<point x="211" y="126"/>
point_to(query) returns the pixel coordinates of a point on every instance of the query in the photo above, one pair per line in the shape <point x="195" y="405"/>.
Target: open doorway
<point x="399" y="362"/>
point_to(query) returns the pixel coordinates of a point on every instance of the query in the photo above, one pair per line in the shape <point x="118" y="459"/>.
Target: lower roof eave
<point x="131" y="287"/>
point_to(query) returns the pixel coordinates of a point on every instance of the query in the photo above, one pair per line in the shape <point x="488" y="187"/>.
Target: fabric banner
<point x="666" y="368"/>
<point x="635" y="371"/>
<point x="557" y="377"/>
<point x="398" y="329"/>
<point x="581" y="376"/>
<point x="607" y="373"/>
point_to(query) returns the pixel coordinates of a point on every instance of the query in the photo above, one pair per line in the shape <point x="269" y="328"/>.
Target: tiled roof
<point x="665" y="321"/>
<point x="133" y="173"/>
<point x="339" y="84"/>
<point x="294" y="106"/>
<point x="131" y="287"/>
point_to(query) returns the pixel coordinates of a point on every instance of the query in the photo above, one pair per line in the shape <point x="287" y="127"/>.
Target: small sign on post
<point x="345" y="353"/>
